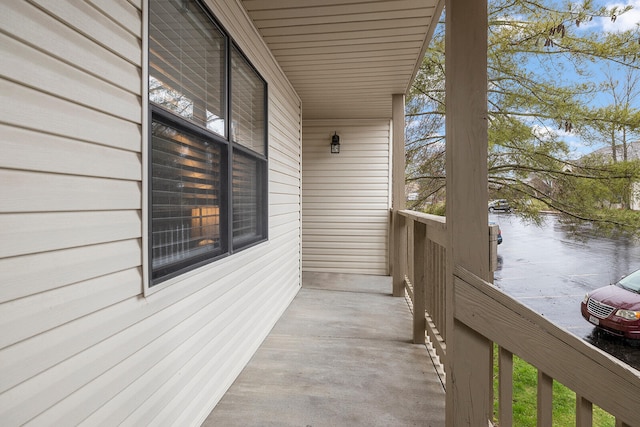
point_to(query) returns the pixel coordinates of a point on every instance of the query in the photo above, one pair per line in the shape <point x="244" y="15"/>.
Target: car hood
<point x="616" y="296"/>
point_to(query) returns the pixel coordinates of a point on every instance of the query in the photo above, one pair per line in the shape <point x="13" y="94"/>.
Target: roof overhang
<point x="346" y="58"/>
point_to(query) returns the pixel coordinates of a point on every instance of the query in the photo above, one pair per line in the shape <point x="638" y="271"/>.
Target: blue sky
<point x="626" y="21"/>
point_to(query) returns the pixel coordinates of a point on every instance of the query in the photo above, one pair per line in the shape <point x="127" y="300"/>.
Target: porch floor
<point x="341" y="355"/>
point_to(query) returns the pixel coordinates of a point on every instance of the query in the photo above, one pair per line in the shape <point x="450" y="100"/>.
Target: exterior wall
<point x="345" y="207"/>
<point x="79" y="342"/>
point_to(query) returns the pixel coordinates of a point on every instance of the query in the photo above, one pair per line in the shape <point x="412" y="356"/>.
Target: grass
<point x="525" y="380"/>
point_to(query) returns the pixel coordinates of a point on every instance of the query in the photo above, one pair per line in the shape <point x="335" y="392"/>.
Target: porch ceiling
<point x="346" y="58"/>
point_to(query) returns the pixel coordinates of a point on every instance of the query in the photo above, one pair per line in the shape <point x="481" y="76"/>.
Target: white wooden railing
<point x="419" y="269"/>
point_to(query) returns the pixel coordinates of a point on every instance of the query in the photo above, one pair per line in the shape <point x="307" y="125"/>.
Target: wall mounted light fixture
<point x="335" y="143"/>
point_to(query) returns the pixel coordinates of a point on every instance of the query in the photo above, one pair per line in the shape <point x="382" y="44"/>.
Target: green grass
<point x="525" y="380"/>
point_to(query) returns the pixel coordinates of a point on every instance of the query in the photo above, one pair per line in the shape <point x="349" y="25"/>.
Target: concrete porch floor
<point x="341" y="355"/>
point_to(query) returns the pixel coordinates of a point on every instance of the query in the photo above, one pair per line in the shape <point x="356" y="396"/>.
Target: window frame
<point x="157" y="113"/>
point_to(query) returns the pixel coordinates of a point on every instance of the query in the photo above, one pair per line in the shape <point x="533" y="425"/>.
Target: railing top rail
<point x="423" y="217"/>
<point x="587" y="370"/>
<point x="436" y="225"/>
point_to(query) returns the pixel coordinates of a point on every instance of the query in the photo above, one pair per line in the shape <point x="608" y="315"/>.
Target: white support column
<point x="469" y="355"/>
<point x="398" y="200"/>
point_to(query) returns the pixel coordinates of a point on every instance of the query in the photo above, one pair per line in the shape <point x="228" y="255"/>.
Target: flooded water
<point x="551" y="267"/>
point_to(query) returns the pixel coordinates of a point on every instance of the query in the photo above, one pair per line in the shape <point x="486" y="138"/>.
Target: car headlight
<point x="586" y="298"/>
<point x="628" y="314"/>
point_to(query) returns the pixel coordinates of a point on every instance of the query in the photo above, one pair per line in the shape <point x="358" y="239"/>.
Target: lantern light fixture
<point x="335" y="143"/>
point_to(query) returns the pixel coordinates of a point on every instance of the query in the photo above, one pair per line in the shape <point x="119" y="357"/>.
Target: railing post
<point x="398" y="197"/>
<point x="399" y="253"/>
<point x="469" y="354"/>
<point x="419" y="279"/>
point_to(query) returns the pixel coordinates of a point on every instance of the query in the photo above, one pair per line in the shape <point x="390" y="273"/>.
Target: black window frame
<point x="165" y="117"/>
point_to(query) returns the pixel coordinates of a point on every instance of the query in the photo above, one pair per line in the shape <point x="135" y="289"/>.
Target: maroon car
<point x="615" y="308"/>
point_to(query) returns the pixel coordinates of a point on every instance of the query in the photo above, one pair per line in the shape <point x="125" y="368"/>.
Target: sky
<point x="626" y="21"/>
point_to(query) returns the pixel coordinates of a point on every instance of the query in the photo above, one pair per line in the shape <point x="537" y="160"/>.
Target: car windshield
<point x="631" y="282"/>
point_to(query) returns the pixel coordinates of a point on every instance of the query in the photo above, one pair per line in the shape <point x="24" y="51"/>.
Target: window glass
<point x="187" y="63"/>
<point x="185" y="199"/>
<point x="247" y="199"/>
<point x="247" y="105"/>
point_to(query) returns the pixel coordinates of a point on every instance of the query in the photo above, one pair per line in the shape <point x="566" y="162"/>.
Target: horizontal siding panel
<point x="377" y="270"/>
<point x="347" y="221"/>
<point x="49" y="153"/>
<point x="285" y="231"/>
<point x="317" y="246"/>
<point x="278" y="198"/>
<point x="23" y="318"/>
<point x="41" y="192"/>
<point x="37" y="28"/>
<point x="291" y="219"/>
<point x="38" y="232"/>
<point x="85" y="19"/>
<point x="122" y="13"/>
<point x="356" y="184"/>
<point x="35" y="110"/>
<point x="345" y="174"/>
<point x="348" y="214"/>
<point x="284" y="188"/>
<point x="356" y="194"/>
<point x="290" y="169"/>
<point x="328" y="239"/>
<point x="350" y="229"/>
<point x="283" y="208"/>
<point x="359" y="260"/>
<point x="285" y="177"/>
<point x="24" y="275"/>
<point x="285" y="120"/>
<point x="347" y="201"/>
<point x="33" y="68"/>
<point x="344" y="253"/>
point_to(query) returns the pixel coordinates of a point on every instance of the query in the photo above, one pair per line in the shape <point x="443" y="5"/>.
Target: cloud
<point x="624" y="22"/>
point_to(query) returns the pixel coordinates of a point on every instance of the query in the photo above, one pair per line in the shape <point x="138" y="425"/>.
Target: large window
<point x="208" y="148"/>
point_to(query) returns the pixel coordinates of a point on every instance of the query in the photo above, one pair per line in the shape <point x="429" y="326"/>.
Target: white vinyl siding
<point x="79" y="343"/>
<point x="346" y="196"/>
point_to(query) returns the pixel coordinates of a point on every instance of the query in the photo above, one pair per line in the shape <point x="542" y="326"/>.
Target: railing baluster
<point x="545" y="399"/>
<point x="505" y="387"/>
<point x="584" y="412"/>
<point x="419" y="277"/>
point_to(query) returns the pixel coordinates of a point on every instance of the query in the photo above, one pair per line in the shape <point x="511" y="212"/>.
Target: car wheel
<point x="491" y="209"/>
